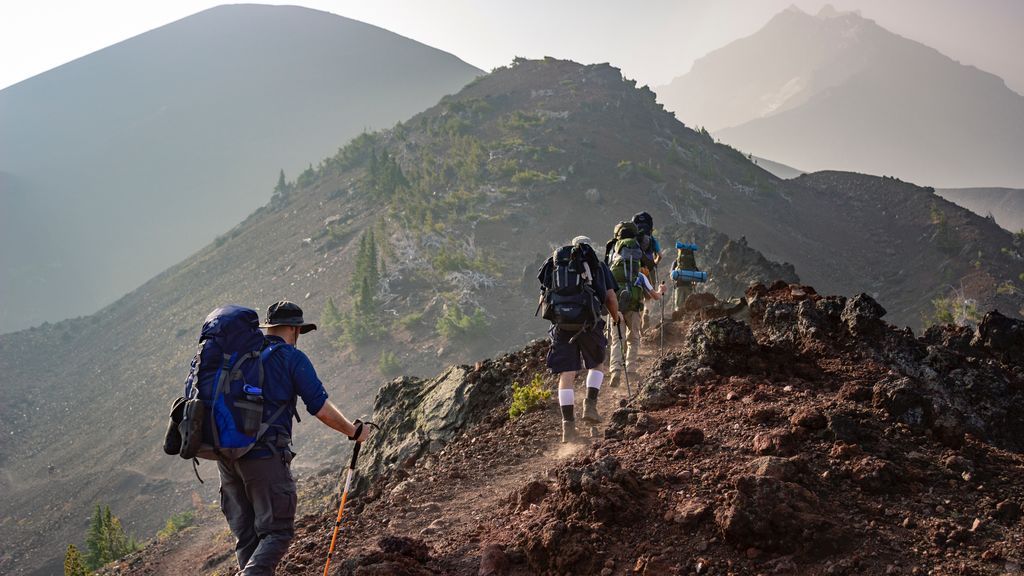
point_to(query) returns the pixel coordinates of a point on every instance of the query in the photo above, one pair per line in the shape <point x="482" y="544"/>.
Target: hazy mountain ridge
<point x="145" y="151"/>
<point x="852" y="96"/>
<point x="1006" y="205"/>
<point x="498" y="174"/>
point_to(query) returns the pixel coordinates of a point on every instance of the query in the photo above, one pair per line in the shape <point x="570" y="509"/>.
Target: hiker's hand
<point x="662" y="289"/>
<point x="618" y="317"/>
<point x="361" y="433"/>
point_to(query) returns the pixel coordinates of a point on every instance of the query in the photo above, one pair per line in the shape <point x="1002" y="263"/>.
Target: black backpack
<point x="570" y="301"/>
<point x="644" y="223"/>
<point x="645" y="230"/>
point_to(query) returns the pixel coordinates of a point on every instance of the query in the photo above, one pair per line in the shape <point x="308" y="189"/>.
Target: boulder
<point x="493" y="561"/>
<point x="723" y="344"/>
<point x="775" y="515"/>
<point x="418" y="416"/>
<point x="776" y="442"/>
<point x="862" y="316"/>
<point x="687" y="436"/>
<point x="810" y="418"/>
<point x="1002" y="336"/>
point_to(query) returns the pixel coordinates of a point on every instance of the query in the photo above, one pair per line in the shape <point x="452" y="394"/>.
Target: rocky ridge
<point x="818" y="439"/>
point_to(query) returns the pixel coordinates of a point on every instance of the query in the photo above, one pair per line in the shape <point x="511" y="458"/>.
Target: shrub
<point x="528" y="397"/>
<point x="533" y="176"/>
<point x="176" y="523"/>
<point x="455" y="325"/>
<point x="411" y="320"/>
<point x="389" y="364"/>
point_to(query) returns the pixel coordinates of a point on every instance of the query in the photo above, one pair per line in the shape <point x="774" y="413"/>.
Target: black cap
<point x="285" y="313"/>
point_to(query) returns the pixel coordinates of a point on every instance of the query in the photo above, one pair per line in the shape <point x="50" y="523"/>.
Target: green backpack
<point x="627" y="259"/>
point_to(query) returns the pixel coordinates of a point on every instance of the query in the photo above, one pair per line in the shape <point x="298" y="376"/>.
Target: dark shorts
<point x="587" y="350"/>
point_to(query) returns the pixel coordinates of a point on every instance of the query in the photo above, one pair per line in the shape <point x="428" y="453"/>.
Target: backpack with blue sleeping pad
<point x="220" y="416"/>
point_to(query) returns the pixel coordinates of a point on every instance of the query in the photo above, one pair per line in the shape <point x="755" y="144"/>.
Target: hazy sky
<point x="652" y="40"/>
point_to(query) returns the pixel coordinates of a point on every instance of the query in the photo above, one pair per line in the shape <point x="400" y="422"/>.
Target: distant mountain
<point x="465" y="200"/>
<point x="130" y="158"/>
<point x="1006" y="205"/>
<point x="778" y="169"/>
<point x="838" y="91"/>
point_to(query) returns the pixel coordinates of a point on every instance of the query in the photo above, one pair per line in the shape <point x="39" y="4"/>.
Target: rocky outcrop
<point x="419" y="417"/>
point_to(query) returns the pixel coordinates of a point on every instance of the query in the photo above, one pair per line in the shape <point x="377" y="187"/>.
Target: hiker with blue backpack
<point x="577" y="290"/>
<point x="631" y="267"/>
<point x="686" y="260"/>
<point x="240" y="397"/>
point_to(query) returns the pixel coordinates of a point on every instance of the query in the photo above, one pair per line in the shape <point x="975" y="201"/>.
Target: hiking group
<point x="578" y="290"/>
<point x="245" y="379"/>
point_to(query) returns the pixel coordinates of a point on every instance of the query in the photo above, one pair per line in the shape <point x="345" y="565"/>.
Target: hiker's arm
<point x="312" y="392"/>
<point x="611" y="302"/>
<point x="657" y="294"/>
<point x="331" y="416"/>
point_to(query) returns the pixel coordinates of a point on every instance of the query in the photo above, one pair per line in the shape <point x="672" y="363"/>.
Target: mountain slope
<point x="139" y="154"/>
<point x="837" y="91"/>
<point x="465" y="200"/>
<point x="1006" y="205"/>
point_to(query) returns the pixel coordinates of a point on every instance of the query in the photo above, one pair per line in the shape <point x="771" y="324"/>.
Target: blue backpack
<point x="222" y="408"/>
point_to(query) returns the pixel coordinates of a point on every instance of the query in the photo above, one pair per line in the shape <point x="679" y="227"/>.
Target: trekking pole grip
<point x="355" y="455"/>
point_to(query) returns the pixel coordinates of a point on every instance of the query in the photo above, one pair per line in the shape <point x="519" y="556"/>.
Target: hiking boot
<point x="590" y="415"/>
<point x="614" y="380"/>
<point x="568" y="431"/>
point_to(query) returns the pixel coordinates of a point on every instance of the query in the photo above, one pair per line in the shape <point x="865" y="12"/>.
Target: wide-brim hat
<point x="285" y="313"/>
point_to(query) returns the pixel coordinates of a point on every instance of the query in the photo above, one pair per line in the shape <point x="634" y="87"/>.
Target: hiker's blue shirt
<point x="288" y="375"/>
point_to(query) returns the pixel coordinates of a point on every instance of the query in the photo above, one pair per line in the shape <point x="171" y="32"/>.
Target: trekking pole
<point x="344" y="494"/>
<point x="662" y="325"/>
<point x="622" y="351"/>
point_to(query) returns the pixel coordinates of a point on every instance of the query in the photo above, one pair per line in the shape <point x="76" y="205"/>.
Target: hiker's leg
<point x="564" y="359"/>
<point x="614" y="352"/>
<point x="593" y="349"/>
<point x="238" y="512"/>
<point x="567" y="394"/>
<point x="632" y="336"/>
<point x="567" y="405"/>
<point x="272" y="490"/>
<point x="678" y="297"/>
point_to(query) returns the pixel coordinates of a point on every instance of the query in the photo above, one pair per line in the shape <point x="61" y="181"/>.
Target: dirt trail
<point x="455" y="501"/>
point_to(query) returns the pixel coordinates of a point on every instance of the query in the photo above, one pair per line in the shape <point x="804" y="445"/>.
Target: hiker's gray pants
<point x="258" y="497"/>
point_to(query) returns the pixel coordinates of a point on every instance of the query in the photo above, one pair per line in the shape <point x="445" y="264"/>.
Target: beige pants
<point x="631" y="338"/>
<point x="679" y="296"/>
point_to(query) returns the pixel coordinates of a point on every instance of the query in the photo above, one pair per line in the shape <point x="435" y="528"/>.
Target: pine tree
<point x="372" y="274"/>
<point x="330" y="318"/>
<point x="282" y="185"/>
<point x="74" y="565"/>
<point x="366" y="304"/>
<point x="95" y="540"/>
<point x="106" y="539"/>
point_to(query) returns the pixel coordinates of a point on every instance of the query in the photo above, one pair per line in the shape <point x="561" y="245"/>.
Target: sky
<point x="652" y="41"/>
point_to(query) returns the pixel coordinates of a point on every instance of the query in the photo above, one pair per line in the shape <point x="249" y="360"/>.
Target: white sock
<point x="594" y="379"/>
<point x="566" y="396"/>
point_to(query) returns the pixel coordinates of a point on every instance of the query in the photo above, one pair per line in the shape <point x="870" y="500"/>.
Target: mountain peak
<point x="829" y="11"/>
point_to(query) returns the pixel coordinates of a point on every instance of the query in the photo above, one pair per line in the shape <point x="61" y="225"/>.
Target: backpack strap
<point x="226" y="366"/>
